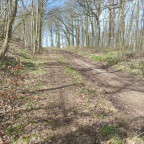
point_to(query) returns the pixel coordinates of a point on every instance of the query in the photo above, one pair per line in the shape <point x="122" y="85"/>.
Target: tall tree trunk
<point x="24" y="31"/>
<point x="110" y="27"/>
<point x="33" y="29"/>
<point x="51" y="35"/>
<point x="72" y="31"/>
<point x="136" y="26"/>
<point x="58" y="37"/>
<point x="122" y="38"/>
<point x="82" y="35"/>
<point x="9" y="31"/>
<point x="40" y="14"/>
<point x="86" y="31"/>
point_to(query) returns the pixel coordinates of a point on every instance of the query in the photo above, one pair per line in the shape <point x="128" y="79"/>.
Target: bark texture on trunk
<point x="8" y="31"/>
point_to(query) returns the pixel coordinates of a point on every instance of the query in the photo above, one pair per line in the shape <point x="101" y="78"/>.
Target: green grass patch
<point x="85" y="105"/>
<point x="26" y="139"/>
<point x="93" y="93"/>
<point x="52" y="123"/>
<point x="82" y="91"/>
<point x="8" y="62"/>
<point x="29" y="65"/>
<point x="29" y="105"/>
<point x="71" y="71"/>
<point x="50" y="138"/>
<point x="36" y="135"/>
<point x="116" y="140"/>
<point x="25" y="55"/>
<point x="112" y="61"/>
<point x="111" y="58"/>
<point x="132" y="66"/>
<point x="97" y="58"/>
<point x="14" y="130"/>
<point x="75" y="74"/>
<point x="107" y="130"/>
<point x="39" y="72"/>
<point x="101" y="116"/>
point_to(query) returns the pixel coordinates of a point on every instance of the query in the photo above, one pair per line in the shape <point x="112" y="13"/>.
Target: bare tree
<point x="9" y="31"/>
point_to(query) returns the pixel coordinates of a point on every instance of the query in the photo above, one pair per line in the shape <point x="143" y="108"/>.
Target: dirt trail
<point x="61" y="107"/>
<point x="59" y="114"/>
<point x="124" y="91"/>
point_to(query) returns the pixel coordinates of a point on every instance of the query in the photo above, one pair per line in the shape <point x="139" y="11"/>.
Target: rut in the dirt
<point x="125" y="92"/>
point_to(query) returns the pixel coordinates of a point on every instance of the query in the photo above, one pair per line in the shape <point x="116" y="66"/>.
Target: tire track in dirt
<point x="124" y="92"/>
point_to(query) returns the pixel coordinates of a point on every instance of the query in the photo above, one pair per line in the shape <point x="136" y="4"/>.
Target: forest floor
<point x="131" y="63"/>
<point x="115" y="84"/>
<point x="70" y="99"/>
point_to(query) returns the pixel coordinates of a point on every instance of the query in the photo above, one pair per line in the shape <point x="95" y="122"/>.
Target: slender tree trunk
<point x="136" y="26"/>
<point x="58" y="37"/>
<point x="40" y="15"/>
<point x="73" y="31"/>
<point x="122" y="3"/>
<point x="51" y="35"/>
<point x="86" y="31"/>
<point x="9" y="31"/>
<point x="110" y="27"/>
<point x="83" y="38"/>
<point x="24" y="31"/>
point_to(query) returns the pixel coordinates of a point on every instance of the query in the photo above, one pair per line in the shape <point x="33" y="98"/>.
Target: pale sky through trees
<point x="46" y="36"/>
<point x="104" y="19"/>
<point x="78" y="22"/>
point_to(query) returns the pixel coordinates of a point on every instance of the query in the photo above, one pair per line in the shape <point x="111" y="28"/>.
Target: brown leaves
<point x="2" y="93"/>
<point x="10" y="83"/>
<point x="10" y="68"/>
<point x="21" y="77"/>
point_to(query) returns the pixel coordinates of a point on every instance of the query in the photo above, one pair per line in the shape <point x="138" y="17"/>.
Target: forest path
<point x="125" y="92"/>
<point x="63" y="104"/>
<point x="62" y="109"/>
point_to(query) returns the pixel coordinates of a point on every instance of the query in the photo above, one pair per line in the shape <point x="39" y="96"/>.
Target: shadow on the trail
<point x="58" y="116"/>
<point x="92" y="134"/>
<point x="55" y="64"/>
<point x="91" y="74"/>
<point x="50" y="89"/>
<point x="94" y="78"/>
<point x="29" y="65"/>
<point x="114" y="88"/>
<point x="114" y="83"/>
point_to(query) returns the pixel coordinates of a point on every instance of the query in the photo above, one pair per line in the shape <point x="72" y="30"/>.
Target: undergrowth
<point x="110" y="58"/>
<point x="12" y="94"/>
